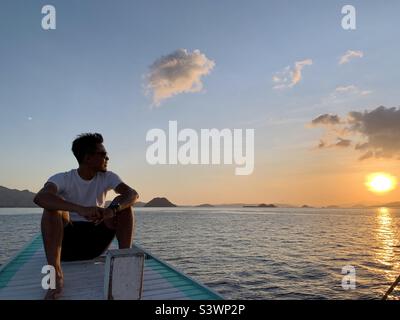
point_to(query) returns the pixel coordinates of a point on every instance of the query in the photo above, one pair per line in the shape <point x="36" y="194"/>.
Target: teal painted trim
<point x="8" y="271"/>
<point x="176" y="279"/>
<point x="181" y="283"/>
<point x="187" y="288"/>
<point x="203" y="292"/>
<point x="203" y="297"/>
<point x="192" y="289"/>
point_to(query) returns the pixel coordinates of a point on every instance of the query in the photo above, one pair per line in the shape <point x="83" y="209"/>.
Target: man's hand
<point x="107" y="213"/>
<point x="93" y="214"/>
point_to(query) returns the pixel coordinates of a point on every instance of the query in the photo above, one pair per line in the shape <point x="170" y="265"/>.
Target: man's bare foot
<point x="54" y="294"/>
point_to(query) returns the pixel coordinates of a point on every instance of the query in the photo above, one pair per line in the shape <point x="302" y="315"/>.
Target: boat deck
<point x="21" y="278"/>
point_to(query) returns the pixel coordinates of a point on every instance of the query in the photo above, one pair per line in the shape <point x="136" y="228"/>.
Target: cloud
<point x="322" y="144"/>
<point x="289" y="77"/>
<point x="344" y="92"/>
<point x="361" y="146"/>
<point x="375" y="133"/>
<point x="326" y="119"/>
<point x="365" y="92"/>
<point x="176" y="73"/>
<point x="343" y="143"/>
<point x="350" y="88"/>
<point x="350" y="54"/>
<point x="297" y="70"/>
<point x="366" y="156"/>
<point x="340" y="143"/>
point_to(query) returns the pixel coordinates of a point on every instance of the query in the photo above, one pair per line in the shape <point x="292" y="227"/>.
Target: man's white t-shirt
<point x="87" y="193"/>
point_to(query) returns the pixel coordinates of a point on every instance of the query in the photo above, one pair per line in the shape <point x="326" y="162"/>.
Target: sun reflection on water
<point x="387" y="242"/>
<point x="385" y="236"/>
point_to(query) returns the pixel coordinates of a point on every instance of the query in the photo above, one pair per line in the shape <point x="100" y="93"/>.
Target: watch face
<point x="115" y="206"/>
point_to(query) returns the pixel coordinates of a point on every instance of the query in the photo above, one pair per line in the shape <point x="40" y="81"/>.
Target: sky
<point x="123" y="68"/>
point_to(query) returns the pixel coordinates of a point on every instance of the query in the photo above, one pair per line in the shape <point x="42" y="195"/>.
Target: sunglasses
<point x="102" y="153"/>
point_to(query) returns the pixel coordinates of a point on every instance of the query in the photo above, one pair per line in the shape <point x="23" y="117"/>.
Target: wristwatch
<point x="115" y="207"/>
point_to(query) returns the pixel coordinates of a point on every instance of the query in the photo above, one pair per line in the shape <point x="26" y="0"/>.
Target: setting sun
<point x="381" y="182"/>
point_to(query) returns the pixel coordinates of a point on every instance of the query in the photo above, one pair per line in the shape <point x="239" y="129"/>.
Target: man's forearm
<point x="126" y="200"/>
<point x="51" y="201"/>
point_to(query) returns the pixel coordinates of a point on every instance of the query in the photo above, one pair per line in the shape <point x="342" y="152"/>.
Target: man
<point x="75" y="225"/>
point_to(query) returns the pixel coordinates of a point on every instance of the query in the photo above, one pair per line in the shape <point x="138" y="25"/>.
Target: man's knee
<point x="55" y="216"/>
<point x="124" y="218"/>
<point x="126" y="210"/>
<point x="125" y="214"/>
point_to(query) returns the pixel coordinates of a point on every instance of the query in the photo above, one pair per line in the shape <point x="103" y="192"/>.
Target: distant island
<point x="12" y="198"/>
<point x="137" y="204"/>
<point x="387" y="205"/>
<point x="159" y="202"/>
<point x="262" y="205"/>
<point x="156" y="202"/>
<point x="205" y="205"/>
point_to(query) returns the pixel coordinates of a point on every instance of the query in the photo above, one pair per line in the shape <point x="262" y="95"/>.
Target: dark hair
<point x="85" y="143"/>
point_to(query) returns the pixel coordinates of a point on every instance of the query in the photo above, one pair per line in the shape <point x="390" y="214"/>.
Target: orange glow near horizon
<point x="381" y="182"/>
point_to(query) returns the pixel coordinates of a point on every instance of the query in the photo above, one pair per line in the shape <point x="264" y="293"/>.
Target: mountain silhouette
<point x="12" y="198"/>
<point x="159" y="202"/>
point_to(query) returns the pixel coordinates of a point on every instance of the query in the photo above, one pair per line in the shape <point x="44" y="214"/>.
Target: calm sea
<point x="259" y="253"/>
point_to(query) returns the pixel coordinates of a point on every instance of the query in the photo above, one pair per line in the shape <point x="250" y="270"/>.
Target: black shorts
<point x="85" y="241"/>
